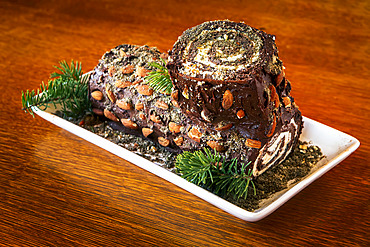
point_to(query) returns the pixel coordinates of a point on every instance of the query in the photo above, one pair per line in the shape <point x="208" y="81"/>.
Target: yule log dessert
<point x="229" y="94"/>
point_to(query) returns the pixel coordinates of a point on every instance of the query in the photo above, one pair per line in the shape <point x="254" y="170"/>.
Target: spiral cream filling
<point x="274" y="149"/>
<point x="219" y="54"/>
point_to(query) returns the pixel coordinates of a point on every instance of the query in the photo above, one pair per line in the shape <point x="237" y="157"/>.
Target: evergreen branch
<point x="73" y="71"/>
<point x="69" y="89"/>
<point x="160" y="79"/>
<point x="219" y="176"/>
<point x="234" y="180"/>
<point x="196" y="167"/>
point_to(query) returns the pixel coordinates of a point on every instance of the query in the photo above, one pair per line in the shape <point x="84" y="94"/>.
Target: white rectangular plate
<point x="335" y="145"/>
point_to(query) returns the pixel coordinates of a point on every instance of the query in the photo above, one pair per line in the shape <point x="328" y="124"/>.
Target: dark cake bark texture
<point x="230" y="94"/>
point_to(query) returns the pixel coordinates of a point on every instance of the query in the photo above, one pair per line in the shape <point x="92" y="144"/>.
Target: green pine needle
<point x="72" y="71"/>
<point x="197" y="167"/>
<point x="160" y="79"/>
<point x="215" y="174"/>
<point x="234" y="180"/>
<point x="68" y="88"/>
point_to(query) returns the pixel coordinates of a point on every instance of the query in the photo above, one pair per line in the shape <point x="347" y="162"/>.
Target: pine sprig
<point x="197" y="166"/>
<point x="234" y="180"/>
<point x="69" y="89"/>
<point x="216" y="174"/>
<point x="72" y="71"/>
<point x="159" y="79"/>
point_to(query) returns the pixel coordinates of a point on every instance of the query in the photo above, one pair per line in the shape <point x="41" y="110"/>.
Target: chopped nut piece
<point x="227" y="99"/>
<point x="142" y="116"/>
<point x="110" y="95"/>
<point x="141" y="71"/>
<point x="155" y="119"/>
<point x="303" y="146"/>
<point x="224" y="127"/>
<point x="175" y="103"/>
<point x="144" y="90"/>
<point x="240" y="114"/>
<point x="124" y="105"/>
<point x="280" y="77"/>
<point x="138" y="81"/>
<point x="108" y="114"/>
<point x="122" y="53"/>
<point x="272" y="128"/>
<point x="111" y="70"/>
<point x="122" y="84"/>
<point x="128" y="69"/>
<point x="287" y="102"/>
<point x="163" y="141"/>
<point x="97" y="95"/>
<point x="185" y="93"/>
<point x="139" y="106"/>
<point x="164" y="56"/>
<point x="274" y="97"/>
<point x="178" y="140"/>
<point x="216" y="145"/>
<point x="146" y="131"/>
<point x="195" y="134"/>
<point x="175" y="95"/>
<point x="161" y="104"/>
<point x="174" y="127"/>
<point x="129" y="123"/>
<point x="253" y="143"/>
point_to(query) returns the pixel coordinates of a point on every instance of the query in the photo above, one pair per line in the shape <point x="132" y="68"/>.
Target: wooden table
<point x="59" y="190"/>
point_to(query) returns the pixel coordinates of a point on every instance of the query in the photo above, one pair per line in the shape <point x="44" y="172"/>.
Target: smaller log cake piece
<point x="230" y="82"/>
<point x="119" y="92"/>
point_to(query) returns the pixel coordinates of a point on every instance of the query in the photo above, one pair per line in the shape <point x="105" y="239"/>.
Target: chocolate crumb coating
<point x="230" y="94"/>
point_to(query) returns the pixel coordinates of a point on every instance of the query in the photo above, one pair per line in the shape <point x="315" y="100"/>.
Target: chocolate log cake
<point x="230" y="94"/>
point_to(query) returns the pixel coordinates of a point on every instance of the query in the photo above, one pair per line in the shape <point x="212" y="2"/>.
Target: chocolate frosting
<point x="248" y="76"/>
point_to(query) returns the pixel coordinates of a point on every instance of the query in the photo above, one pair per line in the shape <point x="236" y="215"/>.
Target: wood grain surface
<point x="59" y="190"/>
